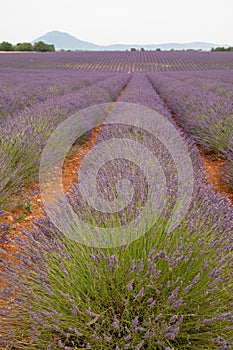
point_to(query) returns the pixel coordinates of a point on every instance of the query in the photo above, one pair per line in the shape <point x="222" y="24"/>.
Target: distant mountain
<point x="65" y="41"/>
<point x="169" y="46"/>
<point x="68" y="42"/>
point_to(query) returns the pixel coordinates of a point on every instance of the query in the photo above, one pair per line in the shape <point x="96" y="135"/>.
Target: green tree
<point x="133" y="49"/>
<point x="40" y="46"/>
<point x="5" y="46"/>
<point x="230" y="48"/>
<point x="23" y="47"/>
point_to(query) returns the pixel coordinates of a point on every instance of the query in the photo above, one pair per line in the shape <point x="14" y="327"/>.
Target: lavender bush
<point x="163" y="291"/>
<point x="228" y="175"/>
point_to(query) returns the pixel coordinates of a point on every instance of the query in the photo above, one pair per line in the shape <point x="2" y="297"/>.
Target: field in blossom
<point x="119" y="61"/>
<point x="165" y="290"/>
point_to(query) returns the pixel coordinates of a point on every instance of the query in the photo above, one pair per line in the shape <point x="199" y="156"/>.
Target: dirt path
<point x="214" y="168"/>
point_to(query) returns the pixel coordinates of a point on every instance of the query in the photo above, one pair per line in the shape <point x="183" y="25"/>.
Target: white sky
<point x="119" y="21"/>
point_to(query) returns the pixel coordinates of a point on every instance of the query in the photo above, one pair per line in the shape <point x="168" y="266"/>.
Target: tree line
<point x="40" y="46"/>
<point x="223" y="49"/>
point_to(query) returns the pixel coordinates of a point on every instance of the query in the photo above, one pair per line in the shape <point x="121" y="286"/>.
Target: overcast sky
<point x="119" y="21"/>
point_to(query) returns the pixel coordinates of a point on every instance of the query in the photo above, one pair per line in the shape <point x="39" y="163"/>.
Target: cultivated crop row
<point x="203" y="114"/>
<point x="121" y="61"/>
<point x="23" y="89"/>
<point x="209" y="81"/>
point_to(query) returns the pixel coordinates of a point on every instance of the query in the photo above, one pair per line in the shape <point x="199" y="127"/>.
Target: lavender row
<point x="224" y="76"/>
<point x="147" y="61"/>
<point x="219" y="88"/>
<point x="203" y="114"/>
<point x="207" y="82"/>
<point x="166" y="290"/>
<point x="140" y="91"/>
<point x="228" y="176"/>
<point x="23" y="90"/>
<point x="25" y="135"/>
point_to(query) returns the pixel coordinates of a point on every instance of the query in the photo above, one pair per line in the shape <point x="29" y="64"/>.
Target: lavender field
<point x="119" y="61"/>
<point x="165" y="290"/>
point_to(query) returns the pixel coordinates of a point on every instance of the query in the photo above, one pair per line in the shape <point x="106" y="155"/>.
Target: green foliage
<point x="6" y="46"/>
<point x="228" y="49"/>
<point x="23" y="47"/>
<point x="27" y="205"/>
<point x="40" y="46"/>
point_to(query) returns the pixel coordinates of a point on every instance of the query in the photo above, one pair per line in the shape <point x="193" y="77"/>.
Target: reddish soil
<point x="73" y="163"/>
<point x="214" y="168"/>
